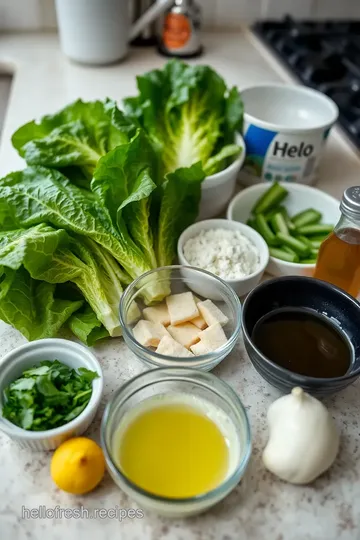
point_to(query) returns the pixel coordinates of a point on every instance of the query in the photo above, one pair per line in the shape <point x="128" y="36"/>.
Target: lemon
<point x="77" y="465"/>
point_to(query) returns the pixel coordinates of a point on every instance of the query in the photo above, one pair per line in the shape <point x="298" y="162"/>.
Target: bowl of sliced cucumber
<point x="293" y="219"/>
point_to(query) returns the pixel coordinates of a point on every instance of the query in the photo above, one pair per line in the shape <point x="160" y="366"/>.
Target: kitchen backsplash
<point x="40" y="14"/>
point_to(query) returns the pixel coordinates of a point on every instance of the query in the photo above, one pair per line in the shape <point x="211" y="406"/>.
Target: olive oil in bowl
<point x="304" y="342"/>
<point x="176" y="447"/>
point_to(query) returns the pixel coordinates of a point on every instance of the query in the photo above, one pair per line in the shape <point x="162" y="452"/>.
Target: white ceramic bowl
<point x="285" y="128"/>
<point x="243" y="285"/>
<point x="217" y="189"/>
<point x="72" y="354"/>
<point x="300" y="198"/>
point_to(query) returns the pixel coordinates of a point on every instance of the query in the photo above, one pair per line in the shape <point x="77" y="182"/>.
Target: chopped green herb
<point x="48" y="396"/>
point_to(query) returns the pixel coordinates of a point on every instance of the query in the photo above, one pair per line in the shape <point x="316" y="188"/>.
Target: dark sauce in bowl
<point x="303" y="342"/>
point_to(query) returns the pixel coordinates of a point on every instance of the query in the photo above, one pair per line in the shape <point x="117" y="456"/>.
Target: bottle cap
<point x="350" y="204"/>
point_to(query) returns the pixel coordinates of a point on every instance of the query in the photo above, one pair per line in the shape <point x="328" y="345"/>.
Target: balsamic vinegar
<point x="303" y="342"/>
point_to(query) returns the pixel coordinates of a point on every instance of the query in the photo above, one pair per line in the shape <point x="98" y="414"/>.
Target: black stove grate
<point x="324" y="56"/>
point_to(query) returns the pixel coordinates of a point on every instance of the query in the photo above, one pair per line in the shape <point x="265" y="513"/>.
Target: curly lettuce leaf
<point x="188" y="113"/>
<point x="32" y="307"/>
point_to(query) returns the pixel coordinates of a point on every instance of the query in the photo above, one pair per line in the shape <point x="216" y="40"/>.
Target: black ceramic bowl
<point x="340" y="308"/>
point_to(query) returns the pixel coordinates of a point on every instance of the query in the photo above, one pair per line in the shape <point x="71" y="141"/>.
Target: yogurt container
<point x="285" y="130"/>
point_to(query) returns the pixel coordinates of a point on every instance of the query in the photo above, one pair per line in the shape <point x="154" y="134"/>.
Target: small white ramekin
<point x="242" y="285"/>
<point x="72" y="354"/>
<point x="217" y="189"/>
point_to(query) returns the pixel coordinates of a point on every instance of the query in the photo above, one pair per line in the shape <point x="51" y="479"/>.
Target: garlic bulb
<point x="303" y="440"/>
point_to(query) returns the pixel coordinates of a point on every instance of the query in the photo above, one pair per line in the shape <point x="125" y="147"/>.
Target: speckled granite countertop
<point x="261" y="506"/>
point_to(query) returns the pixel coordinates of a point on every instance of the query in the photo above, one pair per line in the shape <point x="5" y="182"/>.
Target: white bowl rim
<point x="242" y="227"/>
<point x="300" y="90"/>
<point x="13" y="430"/>
<point x="300" y="187"/>
<point x="236" y="164"/>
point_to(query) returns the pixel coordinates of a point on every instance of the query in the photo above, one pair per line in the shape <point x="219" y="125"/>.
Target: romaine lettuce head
<point x="189" y="115"/>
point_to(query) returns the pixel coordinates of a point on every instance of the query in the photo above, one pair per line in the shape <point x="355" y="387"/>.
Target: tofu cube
<point x="200" y="348"/>
<point x="149" y="334"/>
<point x="186" y="334"/>
<point x="211" y="313"/>
<point x="213" y="337"/>
<point x="157" y="314"/>
<point x="182" y="308"/>
<point x="169" y="347"/>
<point x="199" y="321"/>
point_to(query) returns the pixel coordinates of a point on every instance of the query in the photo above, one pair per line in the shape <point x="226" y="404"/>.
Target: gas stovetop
<point x="325" y="56"/>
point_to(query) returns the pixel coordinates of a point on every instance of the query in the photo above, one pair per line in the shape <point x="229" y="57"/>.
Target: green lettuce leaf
<point x="76" y="136"/>
<point x="216" y="162"/>
<point x="188" y="113"/>
<point x="35" y="245"/>
<point x="36" y="195"/>
<point x="85" y="264"/>
<point x="181" y="193"/>
<point x="86" y="326"/>
<point x="32" y="307"/>
<point x="79" y="266"/>
<point x="123" y="181"/>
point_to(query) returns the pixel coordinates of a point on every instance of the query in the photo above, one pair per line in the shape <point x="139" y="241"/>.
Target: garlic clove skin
<point x="303" y="438"/>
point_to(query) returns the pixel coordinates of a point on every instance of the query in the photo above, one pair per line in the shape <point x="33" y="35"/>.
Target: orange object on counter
<point x="339" y="256"/>
<point x="177" y="30"/>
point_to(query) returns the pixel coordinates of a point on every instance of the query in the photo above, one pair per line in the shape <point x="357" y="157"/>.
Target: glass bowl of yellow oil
<point x="176" y="440"/>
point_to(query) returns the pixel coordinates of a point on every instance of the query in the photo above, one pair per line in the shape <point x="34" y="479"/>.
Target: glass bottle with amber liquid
<point x="339" y="256"/>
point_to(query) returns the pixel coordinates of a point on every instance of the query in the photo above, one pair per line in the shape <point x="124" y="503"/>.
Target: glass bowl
<point x="155" y="384"/>
<point x="173" y="280"/>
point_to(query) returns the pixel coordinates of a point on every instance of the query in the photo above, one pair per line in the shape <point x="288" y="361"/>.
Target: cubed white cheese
<point x="157" y="314"/>
<point x="182" y="308"/>
<point x="187" y="334"/>
<point x="211" y="313"/>
<point x="169" y="347"/>
<point x="149" y="334"/>
<point x="200" y="348"/>
<point x="213" y="337"/>
<point x="199" y="321"/>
